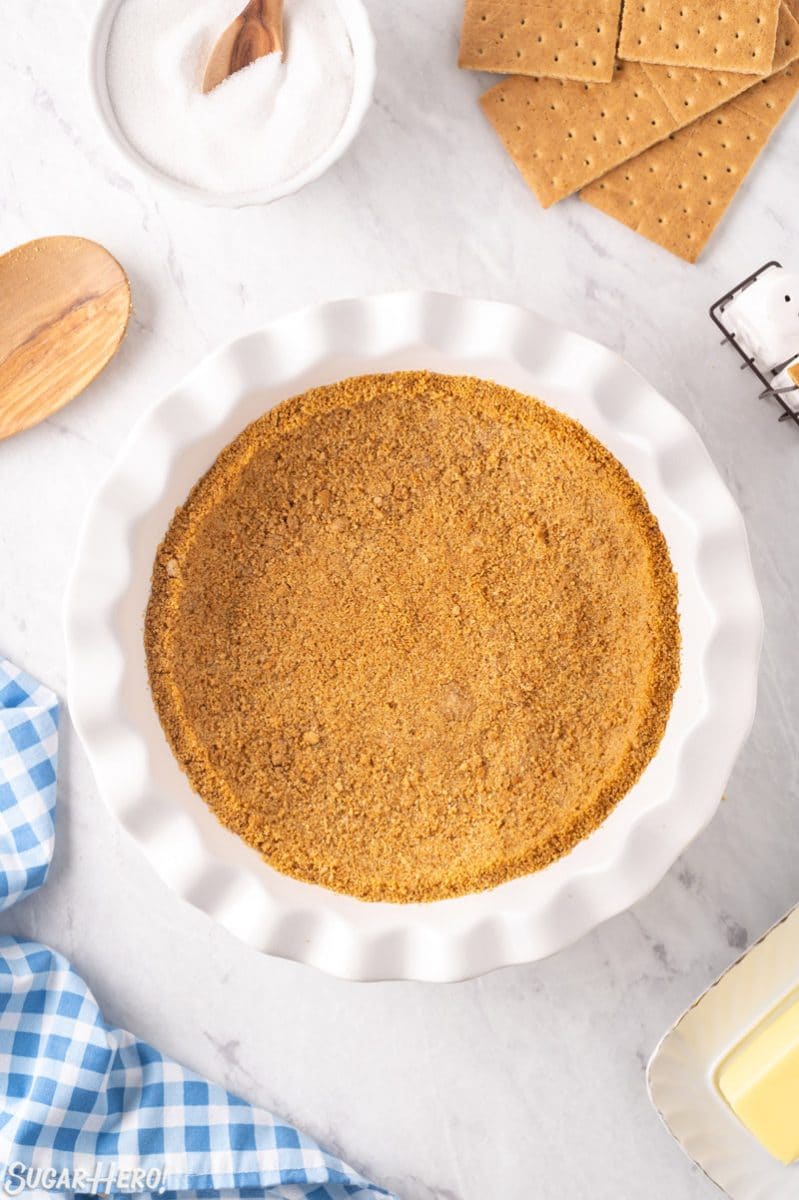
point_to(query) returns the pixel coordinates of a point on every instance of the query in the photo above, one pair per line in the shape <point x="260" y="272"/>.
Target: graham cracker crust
<point x="413" y="635"/>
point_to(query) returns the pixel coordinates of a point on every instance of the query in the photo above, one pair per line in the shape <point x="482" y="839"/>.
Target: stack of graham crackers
<point x="653" y="111"/>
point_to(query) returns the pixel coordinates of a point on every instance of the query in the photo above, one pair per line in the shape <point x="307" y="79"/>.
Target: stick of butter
<point x="760" y="1081"/>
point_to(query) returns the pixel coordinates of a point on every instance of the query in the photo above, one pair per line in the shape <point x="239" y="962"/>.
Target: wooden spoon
<point x="64" y="308"/>
<point x="257" y="30"/>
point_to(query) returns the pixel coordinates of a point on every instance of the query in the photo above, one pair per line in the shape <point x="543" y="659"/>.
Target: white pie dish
<point x="359" y="30"/>
<point x="526" y="919"/>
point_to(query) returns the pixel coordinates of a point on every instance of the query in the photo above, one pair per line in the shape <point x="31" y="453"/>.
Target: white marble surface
<point x="529" y="1082"/>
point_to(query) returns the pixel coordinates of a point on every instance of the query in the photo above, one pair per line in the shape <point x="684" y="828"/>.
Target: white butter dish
<point x="682" y="1072"/>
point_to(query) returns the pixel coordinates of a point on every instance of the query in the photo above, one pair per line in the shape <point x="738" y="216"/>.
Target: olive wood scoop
<point x="64" y="308"/>
<point x="256" y="31"/>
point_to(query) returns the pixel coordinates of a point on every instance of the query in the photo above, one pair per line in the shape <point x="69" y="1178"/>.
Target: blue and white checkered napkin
<point x="85" y="1107"/>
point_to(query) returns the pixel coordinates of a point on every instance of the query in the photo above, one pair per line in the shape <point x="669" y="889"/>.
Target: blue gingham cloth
<point x="88" y="1108"/>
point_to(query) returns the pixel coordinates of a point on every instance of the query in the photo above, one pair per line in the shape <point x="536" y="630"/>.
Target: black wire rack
<point x="783" y="395"/>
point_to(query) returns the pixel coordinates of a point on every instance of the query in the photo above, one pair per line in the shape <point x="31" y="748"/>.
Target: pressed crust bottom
<point x="413" y="635"/>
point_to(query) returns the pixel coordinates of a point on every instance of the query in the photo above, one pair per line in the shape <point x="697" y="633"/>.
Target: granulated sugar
<point x="262" y="126"/>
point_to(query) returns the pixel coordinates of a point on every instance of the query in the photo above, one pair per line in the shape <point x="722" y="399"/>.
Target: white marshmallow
<point x="765" y="318"/>
<point x="784" y="380"/>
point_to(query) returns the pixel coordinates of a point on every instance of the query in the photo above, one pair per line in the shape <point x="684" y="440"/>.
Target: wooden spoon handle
<point x="261" y="33"/>
<point x="258" y="30"/>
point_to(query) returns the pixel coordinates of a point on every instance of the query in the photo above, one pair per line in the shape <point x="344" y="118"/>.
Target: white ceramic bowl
<point x="362" y="41"/>
<point x="528" y="918"/>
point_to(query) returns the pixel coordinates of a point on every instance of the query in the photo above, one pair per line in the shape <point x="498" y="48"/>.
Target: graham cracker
<point x="541" y="37"/>
<point x="725" y="35"/>
<point x="677" y="193"/>
<point x="564" y="135"/>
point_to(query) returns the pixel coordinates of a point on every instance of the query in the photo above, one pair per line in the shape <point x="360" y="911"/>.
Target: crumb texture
<point x="413" y="635"/>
